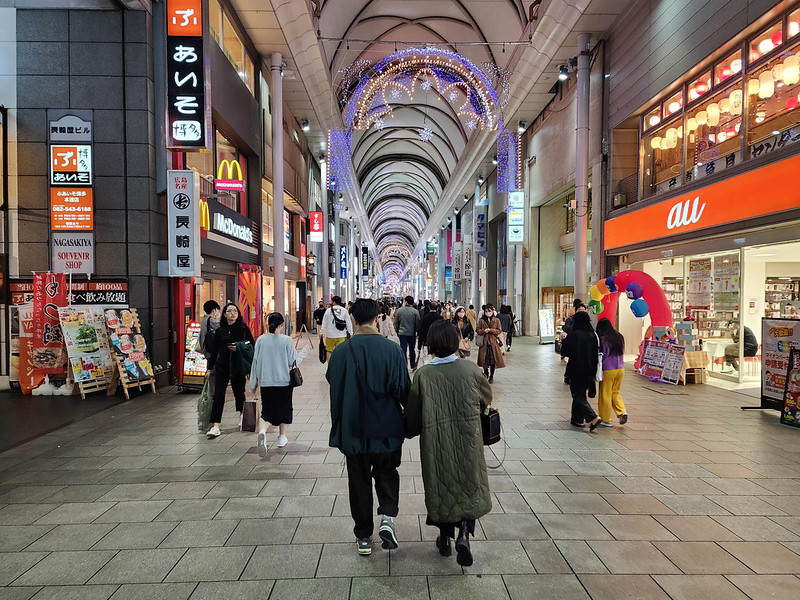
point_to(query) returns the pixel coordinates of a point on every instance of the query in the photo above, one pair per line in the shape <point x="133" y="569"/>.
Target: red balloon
<point x="660" y="312"/>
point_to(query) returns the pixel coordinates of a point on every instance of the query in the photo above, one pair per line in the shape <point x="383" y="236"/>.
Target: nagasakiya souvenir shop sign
<point x="764" y="191"/>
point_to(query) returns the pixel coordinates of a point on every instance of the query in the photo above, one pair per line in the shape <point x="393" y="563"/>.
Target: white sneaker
<point x="214" y="432"/>
<point x="262" y="444"/>
<point x="241" y="420"/>
<point x="282" y="441"/>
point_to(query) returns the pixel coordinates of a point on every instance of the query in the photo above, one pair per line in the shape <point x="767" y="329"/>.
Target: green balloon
<point x="596" y="307"/>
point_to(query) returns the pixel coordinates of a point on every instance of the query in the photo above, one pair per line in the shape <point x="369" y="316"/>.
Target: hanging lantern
<point x="765" y="46"/>
<point x="724" y="106"/>
<point x="791" y="70"/>
<point x="702" y="117"/>
<point x="655" y="143"/>
<point x="712" y="138"/>
<point x="736" y="65"/>
<point x="777" y="72"/>
<point x="672" y="137"/>
<point x="766" y="85"/>
<point x="722" y="136"/>
<point x="693" y="95"/>
<point x="674" y="107"/>
<point x="713" y="114"/>
<point x="737" y="127"/>
<point x="791" y="103"/>
<point x="654" y="120"/>
<point x="664" y="144"/>
<point x="752" y="87"/>
<point x="701" y="87"/>
<point x="731" y="132"/>
<point x="736" y="102"/>
<point x="680" y="132"/>
<point x="691" y="124"/>
<point x="777" y="38"/>
<point x="794" y="28"/>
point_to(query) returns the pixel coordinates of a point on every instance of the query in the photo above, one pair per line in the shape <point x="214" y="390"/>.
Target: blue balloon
<point x="640" y="307"/>
<point x="612" y="287"/>
<point x="633" y="290"/>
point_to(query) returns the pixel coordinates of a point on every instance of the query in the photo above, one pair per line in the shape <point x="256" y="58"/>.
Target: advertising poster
<point x="778" y="338"/>
<point x="87" y="342"/>
<point x="699" y="285"/>
<point x="194" y="362"/>
<point x="128" y="343"/>
<point x="654" y="357"/>
<point x="49" y="294"/>
<point x="458" y="257"/>
<point x="250" y="297"/>
<point x="791" y="393"/>
<point x="673" y="364"/>
<point x="547" y="329"/>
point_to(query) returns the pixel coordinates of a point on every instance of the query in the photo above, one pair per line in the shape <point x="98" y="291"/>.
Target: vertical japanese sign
<point x="315" y="226"/>
<point x="342" y="261"/>
<point x="183" y="223"/>
<point x="458" y="265"/>
<point x="516" y="226"/>
<point x="480" y="230"/>
<point x="468" y="262"/>
<point x="49" y="294"/>
<point x="188" y="96"/>
<point x="364" y="261"/>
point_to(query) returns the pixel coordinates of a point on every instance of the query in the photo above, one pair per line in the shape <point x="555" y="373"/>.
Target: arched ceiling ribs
<point x="415" y="201"/>
<point x="395" y="223"/>
<point x="378" y="161"/>
<point x="403" y="188"/>
<point x="396" y="210"/>
<point x="411" y="180"/>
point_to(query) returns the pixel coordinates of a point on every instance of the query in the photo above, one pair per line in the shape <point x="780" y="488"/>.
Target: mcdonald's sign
<point x="205" y="216"/>
<point x="229" y="184"/>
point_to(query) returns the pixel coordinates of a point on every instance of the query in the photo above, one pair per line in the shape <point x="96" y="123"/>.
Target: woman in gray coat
<point x="444" y="407"/>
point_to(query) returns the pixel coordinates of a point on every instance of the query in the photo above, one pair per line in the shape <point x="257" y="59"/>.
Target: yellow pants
<point x="609" y="396"/>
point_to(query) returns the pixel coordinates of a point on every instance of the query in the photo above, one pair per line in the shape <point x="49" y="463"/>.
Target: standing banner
<point x="778" y="338"/>
<point x="458" y="264"/>
<point x="28" y="377"/>
<point x="481" y="224"/>
<point x="791" y="394"/>
<point x="661" y="361"/>
<point x="343" y="261"/>
<point x="49" y="294"/>
<point x="87" y="342"/>
<point x="671" y="373"/>
<point x="127" y="342"/>
<point x="183" y="223"/>
<point x="547" y="329"/>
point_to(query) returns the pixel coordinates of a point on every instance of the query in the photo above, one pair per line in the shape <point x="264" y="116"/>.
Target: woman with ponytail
<point x="274" y="356"/>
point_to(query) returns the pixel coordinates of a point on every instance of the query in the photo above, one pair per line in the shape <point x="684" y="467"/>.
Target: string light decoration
<point x="425" y="134"/>
<point x="340" y="165"/>
<point x="509" y="161"/>
<point x="379" y="123"/>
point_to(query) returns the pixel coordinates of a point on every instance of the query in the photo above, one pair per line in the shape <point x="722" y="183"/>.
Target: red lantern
<point x="701" y="87"/>
<point x="791" y="103"/>
<point x="776" y="38"/>
<point x="726" y="72"/>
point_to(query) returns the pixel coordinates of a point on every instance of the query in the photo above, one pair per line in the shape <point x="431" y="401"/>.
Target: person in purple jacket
<point x="612" y="345"/>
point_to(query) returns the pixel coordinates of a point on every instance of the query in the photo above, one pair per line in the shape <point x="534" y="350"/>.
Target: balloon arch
<point x="646" y="293"/>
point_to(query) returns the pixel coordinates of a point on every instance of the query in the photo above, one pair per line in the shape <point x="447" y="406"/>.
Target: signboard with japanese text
<point x="188" y="96"/>
<point x="671" y="373"/>
<point x="75" y="126"/>
<point x="481" y="225"/>
<point x="699" y="284"/>
<point x="72" y="252"/>
<point x="791" y="394"/>
<point x="315" y="226"/>
<point x="458" y="264"/>
<point x="49" y="294"/>
<point x="342" y="261"/>
<point x="86" y="340"/>
<point x="364" y="261"/>
<point x="127" y="342"/>
<point x="183" y="223"/>
<point x="516" y="226"/>
<point x="516" y="199"/>
<point x="71" y="209"/>
<point x="468" y="262"/>
<point x="112" y="293"/>
<point x="547" y="329"/>
<point x="778" y="338"/>
<point x="71" y="165"/>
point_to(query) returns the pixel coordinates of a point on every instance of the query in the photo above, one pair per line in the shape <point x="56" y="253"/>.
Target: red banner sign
<point x="315" y="226"/>
<point x="49" y="293"/>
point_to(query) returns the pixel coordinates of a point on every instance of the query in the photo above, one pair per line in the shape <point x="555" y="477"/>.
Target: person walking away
<point x="428" y="319"/>
<point x="385" y="323"/>
<point x="444" y="408"/>
<point x="505" y="327"/>
<point x="229" y="338"/>
<point x="577" y="306"/>
<point x="318" y="315"/>
<point x="337" y="325"/>
<point x="406" y="324"/>
<point x="472" y="316"/>
<point x="512" y="329"/>
<point x="612" y="345"/>
<point x="273" y="358"/>
<point x="368" y="365"/>
<point x="464" y="328"/>
<point x="489" y="355"/>
<point x="580" y="347"/>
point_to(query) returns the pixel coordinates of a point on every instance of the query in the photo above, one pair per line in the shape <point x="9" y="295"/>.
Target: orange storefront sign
<point x="185" y="17"/>
<point x="762" y="192"/>
<point x="71" y="209"/>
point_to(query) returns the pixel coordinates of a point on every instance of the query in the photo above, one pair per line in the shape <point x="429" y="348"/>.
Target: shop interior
<point x="724" y="292"/>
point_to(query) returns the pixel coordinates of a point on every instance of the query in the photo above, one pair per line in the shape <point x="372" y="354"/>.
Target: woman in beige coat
<point x="489" y="354"/>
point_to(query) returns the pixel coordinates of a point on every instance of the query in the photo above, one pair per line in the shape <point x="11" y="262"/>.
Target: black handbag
<point x="381" y="415"/>
<point x="490" y="426"/>
<point x="323" y="354"/>
<point x="295" y="376"/>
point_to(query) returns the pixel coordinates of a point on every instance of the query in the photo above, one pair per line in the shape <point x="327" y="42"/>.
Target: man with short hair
<point x="430" y="317"/>
<point x="336" y="325"/>
<point x="472" y="316"/>
<point x="406" y="324"/>
<point x="208" y="325"/>
<point x="318" y="316"/>
<point x="369" y="367"/>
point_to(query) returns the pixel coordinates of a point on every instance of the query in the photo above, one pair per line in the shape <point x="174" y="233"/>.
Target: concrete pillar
<point x="323" y="267"/>
<point x="278" y="260"/>
<point x="582" y="167"/>
<point x="473" y="291"/>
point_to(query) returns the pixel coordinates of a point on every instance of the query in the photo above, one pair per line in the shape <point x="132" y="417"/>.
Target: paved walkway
<point x="693" y="498"/>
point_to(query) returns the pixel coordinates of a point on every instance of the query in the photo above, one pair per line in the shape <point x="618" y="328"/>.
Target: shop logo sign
<point x="226" y="225"/>
<point x="679" y="215"/>
<point x="229" y="184"/>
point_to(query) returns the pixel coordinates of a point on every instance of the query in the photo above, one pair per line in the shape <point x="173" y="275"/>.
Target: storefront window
<point x="653" y="118"/>
<point x="228" y="40"/>
<point x="712" y="134"/>
<point x="765" y="42"/>
<point x="203" y="163"/>
<point x="662" y="158"/>
<point x="215" y="21"/>
<point x="730" y="67"/>
<point x="773" y="111"/>
<point x="793" y="24"/>
<point x="699" y="87"/>
<point x="673" y="105"/>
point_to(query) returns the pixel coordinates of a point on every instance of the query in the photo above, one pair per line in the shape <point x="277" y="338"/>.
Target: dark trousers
<point x="510" y="336"/>
<point x="449" y="529"/>
<point x="581" y="409"/>
<point x="221" y="378"/>
<point x="407" y="341"/>
<point x="361" y="469"/>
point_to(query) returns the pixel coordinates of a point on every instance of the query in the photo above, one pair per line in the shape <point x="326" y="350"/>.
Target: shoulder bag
<point x="490" y="426"/>
<point x="295" y="376"/>
<point x="599" y="373"/>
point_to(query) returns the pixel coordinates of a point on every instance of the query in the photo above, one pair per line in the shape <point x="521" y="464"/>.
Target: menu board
<point x="791" y="394"/>
<point x="194" y="363"/>
<point x="778" y="338"/>
<point x="698" y="289"/>
<point x="127" y="342"/>
<point x="547" y="330"/>
<point x="87" y="342"/>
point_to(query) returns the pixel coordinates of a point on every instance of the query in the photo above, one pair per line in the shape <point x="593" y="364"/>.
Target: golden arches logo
<point x="229" y="184"/>
<point x="229" y="166"/>
<point x="205" y="216"/>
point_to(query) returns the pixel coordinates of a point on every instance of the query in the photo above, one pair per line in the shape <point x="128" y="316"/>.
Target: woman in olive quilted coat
<point x="444" y="407"/>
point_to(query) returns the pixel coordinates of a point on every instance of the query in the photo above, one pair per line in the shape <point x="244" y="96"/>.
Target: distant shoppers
<point x="385" y="323"/>
<point x="274" y="356"/>
<point x="369" y="367"/>
<point x="230" y="337"/>
<point x="428" y="319"/>
<point x="489" y="355"/>
<point x="732" y="350"/>
<point x="208" y="325"/>
<point x="580" y="347"/>
<point x="444" y="408"/>
<point x="612" y="344"/>
<point x="336" y="325"/>
<point x="472" y="316"/>
<point x="464" y="328"/>
<point x="406" y="324"/>
<point x="505" y="326"/>
<point x="318" y="315"/>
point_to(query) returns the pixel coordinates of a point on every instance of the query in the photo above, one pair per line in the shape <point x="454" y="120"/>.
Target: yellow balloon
<point x="595" y="293"/>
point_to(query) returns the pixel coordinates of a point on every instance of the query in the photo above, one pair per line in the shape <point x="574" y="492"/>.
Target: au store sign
<point x="757" y="193"/>
<point x="72" y="252"/>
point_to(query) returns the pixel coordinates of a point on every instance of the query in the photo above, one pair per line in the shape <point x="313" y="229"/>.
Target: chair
<point x="752" y="364"/>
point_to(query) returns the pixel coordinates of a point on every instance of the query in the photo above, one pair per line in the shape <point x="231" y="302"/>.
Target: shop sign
<point x="183" y="223"/>
<point x="188" y="101"/>
<point x="364" y="261"/>
<point x="458" y="266"/>
<point x="71" y="209"/>
<point x="547" y="330"/>
<point x="302" y="261"/>
<point x="49" y="294"/>
<point x="791" y="395"/>
<point x="516" y="226"/>
<point x="480" y="231"/>
<point x="80" y="292"/>
<point x="315" y="226"/>
<point x="430" y="248"/>
<point x="227" y="226"/>
<point x="343" y="261"/>
<point x="69" y="128"/>
<point x="516" y="199"/>
<point x="778" y="338"/>
<point x="467" y="256"/>
<point x="72" y="252"/>
<point x="448" y="278"/>
<point x="757" y="193"/>
<point x="228" y="183"/>
<point x="71" y="165"/>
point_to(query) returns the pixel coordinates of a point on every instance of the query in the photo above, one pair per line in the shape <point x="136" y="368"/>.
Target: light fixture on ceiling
<point x="466" y="198"/>
<point x="563" y="73"/>
<point x="304" y="125"/>
<point x="480" y="179"/>
<point x="346" y="209"/>
<point x="494" y="159"/>
<point x="456" y="211"/>
<point x="521" y="126"/>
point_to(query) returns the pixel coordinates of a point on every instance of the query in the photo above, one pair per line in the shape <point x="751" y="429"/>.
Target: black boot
<point x="464" y="554"/>
<point x="443" y="544"/>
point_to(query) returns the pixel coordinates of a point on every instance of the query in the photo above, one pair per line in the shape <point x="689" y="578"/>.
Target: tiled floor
<point x="693" y="498"/>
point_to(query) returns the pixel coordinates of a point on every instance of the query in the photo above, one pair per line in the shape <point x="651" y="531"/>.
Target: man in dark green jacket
<point x="368" y="362"/>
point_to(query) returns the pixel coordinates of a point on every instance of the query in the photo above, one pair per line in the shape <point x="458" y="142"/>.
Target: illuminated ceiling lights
<point x="563" y="73"/>
<point x="304" y="125"/>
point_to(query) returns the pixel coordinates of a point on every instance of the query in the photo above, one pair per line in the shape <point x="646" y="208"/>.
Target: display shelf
<point x="673" y="289"/>
<point x="778" y="290"/>
<point x="712" y="324"/>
